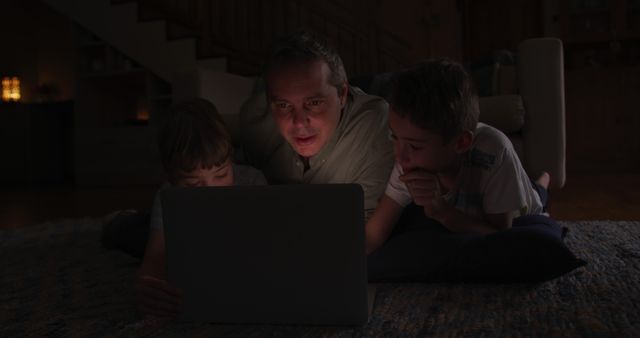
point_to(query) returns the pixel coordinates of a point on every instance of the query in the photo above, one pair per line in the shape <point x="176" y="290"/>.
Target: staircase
<point x="200" y="48"/>
<point x="145" y="42"/>
<point x="106" y="151"/>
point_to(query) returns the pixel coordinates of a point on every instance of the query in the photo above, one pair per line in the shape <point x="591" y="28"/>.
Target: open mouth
<point x="305" y="141"/>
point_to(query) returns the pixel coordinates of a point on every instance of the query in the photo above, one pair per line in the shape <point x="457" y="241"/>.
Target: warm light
<point x="142" y="111"/>
<point x="11" y="89"/>
<point x="6" y="89"/>
<point x="15" y="89"/>
<point x="143" y="115"/>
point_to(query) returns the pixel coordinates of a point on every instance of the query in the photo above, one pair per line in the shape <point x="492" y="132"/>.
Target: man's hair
<point x="436" y="95"/>
<point x="304" y="47"/>
<point x="193" y="136"/>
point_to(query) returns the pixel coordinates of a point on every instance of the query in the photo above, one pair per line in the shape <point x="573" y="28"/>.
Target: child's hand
<point x="425" y="191"/>
<point x="157" y="298"/>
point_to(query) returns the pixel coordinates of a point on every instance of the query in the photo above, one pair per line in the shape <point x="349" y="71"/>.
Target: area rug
<point x="56" y="280"/>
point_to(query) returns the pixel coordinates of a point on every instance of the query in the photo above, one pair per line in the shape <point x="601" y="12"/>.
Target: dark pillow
<point x="422" y="250"/>
<point x="520" y="254"/>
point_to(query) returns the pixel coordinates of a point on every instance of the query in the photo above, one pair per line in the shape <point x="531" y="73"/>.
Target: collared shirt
<point x="359" y="150"/>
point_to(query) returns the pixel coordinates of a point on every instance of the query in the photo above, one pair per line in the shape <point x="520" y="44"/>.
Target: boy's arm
<point x="501" y="221"/>
<point x="425" y="191"/>
<point x="381" y="223"/>
<point x="457" y="221"/>
<point x="153" y="263"/>
<point x="155" y="296"/>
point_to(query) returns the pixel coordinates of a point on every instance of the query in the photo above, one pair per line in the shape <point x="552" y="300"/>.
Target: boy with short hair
<point x="196" y="151"/>
<point x="464" y="174"/>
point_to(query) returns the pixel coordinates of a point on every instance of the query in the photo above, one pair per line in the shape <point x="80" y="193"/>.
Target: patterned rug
<point x="56" y="280"/>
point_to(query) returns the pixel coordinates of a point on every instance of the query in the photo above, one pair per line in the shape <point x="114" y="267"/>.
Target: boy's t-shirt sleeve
<point x="247" y="175"/>
<point x="396" y="189"/>
<point x="508" y="187"/>
<point x="504" y="190"/>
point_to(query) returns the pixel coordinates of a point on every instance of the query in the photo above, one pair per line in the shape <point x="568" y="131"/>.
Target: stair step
<point x="156" y="46"/>
<point x="146" y="14"/>
<point x="176" y="31"/>
<point x="119" y="2"/>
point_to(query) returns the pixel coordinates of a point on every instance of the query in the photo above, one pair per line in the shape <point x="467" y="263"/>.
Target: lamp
<point x="11" y="89"/>
<point x="6" y="89"/>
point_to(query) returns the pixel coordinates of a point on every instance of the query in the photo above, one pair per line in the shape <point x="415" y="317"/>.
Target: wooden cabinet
<point x="596" y="33"/>
<point x="601" y="40"/>
<point x="491" y="25"/>
<point x="595" y="20"/>
<point x="36" y="143"/>
<point x="602" y="68"/>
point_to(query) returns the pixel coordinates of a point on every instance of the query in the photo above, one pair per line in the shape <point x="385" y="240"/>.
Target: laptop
<point x="278" y="254"/>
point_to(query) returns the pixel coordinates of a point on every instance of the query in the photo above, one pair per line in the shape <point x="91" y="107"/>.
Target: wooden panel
<point x="499" y="24"/>
<point x="603" y="120"/>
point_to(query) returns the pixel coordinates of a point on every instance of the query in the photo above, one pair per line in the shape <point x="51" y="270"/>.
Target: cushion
<point x="506" y="80"/>
<point x="517" y="255"/>
<point x="505" y="112"/>
<point x="422" y="250"/>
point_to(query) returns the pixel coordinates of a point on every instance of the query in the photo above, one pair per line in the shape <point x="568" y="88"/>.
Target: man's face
<point x="216" y="176"/>
<point x="305" y="106"/>
<point x="418" y="148"/>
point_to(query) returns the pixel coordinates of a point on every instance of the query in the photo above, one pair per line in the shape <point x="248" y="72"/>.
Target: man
<point x="309" y="126"/>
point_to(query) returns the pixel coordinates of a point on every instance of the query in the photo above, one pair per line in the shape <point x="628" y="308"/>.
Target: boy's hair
<point x="436" y="95"/>
<point x="193" y="136"/>
<point x="304" y="47"/>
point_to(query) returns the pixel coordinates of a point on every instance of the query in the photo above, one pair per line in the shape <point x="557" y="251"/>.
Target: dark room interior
<point x="85" y="87"/>
<point x="52" y="58"/>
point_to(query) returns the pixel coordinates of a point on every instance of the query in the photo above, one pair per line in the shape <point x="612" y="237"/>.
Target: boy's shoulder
<point x="490" y="138"/>
<point x="247" y="175"/>
<point x="490" y="147"/>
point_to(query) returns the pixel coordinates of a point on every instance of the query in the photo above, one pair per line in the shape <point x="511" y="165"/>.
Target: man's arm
<point x="375" y="172"/>
<point x="381" y="224"/>
<point x="370" y="151"/>
<point x="373" y="183"/>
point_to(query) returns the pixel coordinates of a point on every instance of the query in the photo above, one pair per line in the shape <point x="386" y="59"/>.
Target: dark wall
<point x="38" y="46"/>
<point x="601" y="69"/>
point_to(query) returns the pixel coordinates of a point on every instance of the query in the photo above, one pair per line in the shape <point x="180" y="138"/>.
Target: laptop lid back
<point x="268" y="254"/>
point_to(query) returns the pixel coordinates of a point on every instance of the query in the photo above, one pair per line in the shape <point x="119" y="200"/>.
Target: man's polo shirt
<point x="359" y="151"/>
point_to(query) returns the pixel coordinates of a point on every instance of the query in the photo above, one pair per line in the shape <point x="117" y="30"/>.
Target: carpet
<point x="56" y="280"/>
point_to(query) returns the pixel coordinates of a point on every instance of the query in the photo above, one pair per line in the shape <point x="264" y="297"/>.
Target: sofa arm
<point x="541" y="83"/>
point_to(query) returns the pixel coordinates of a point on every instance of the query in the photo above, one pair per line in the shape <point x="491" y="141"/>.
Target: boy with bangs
<point x="464" y="174"/>
<point x="196" y="151"/>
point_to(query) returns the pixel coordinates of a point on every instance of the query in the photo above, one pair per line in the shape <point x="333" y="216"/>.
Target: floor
<point x="584" y="197"/>
<point x="597" y="197"/>
<point x="23" y="206"/>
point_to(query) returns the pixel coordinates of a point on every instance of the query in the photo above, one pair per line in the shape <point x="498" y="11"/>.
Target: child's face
<point x="418" y="148"/>
<point x="216" y="176"/>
